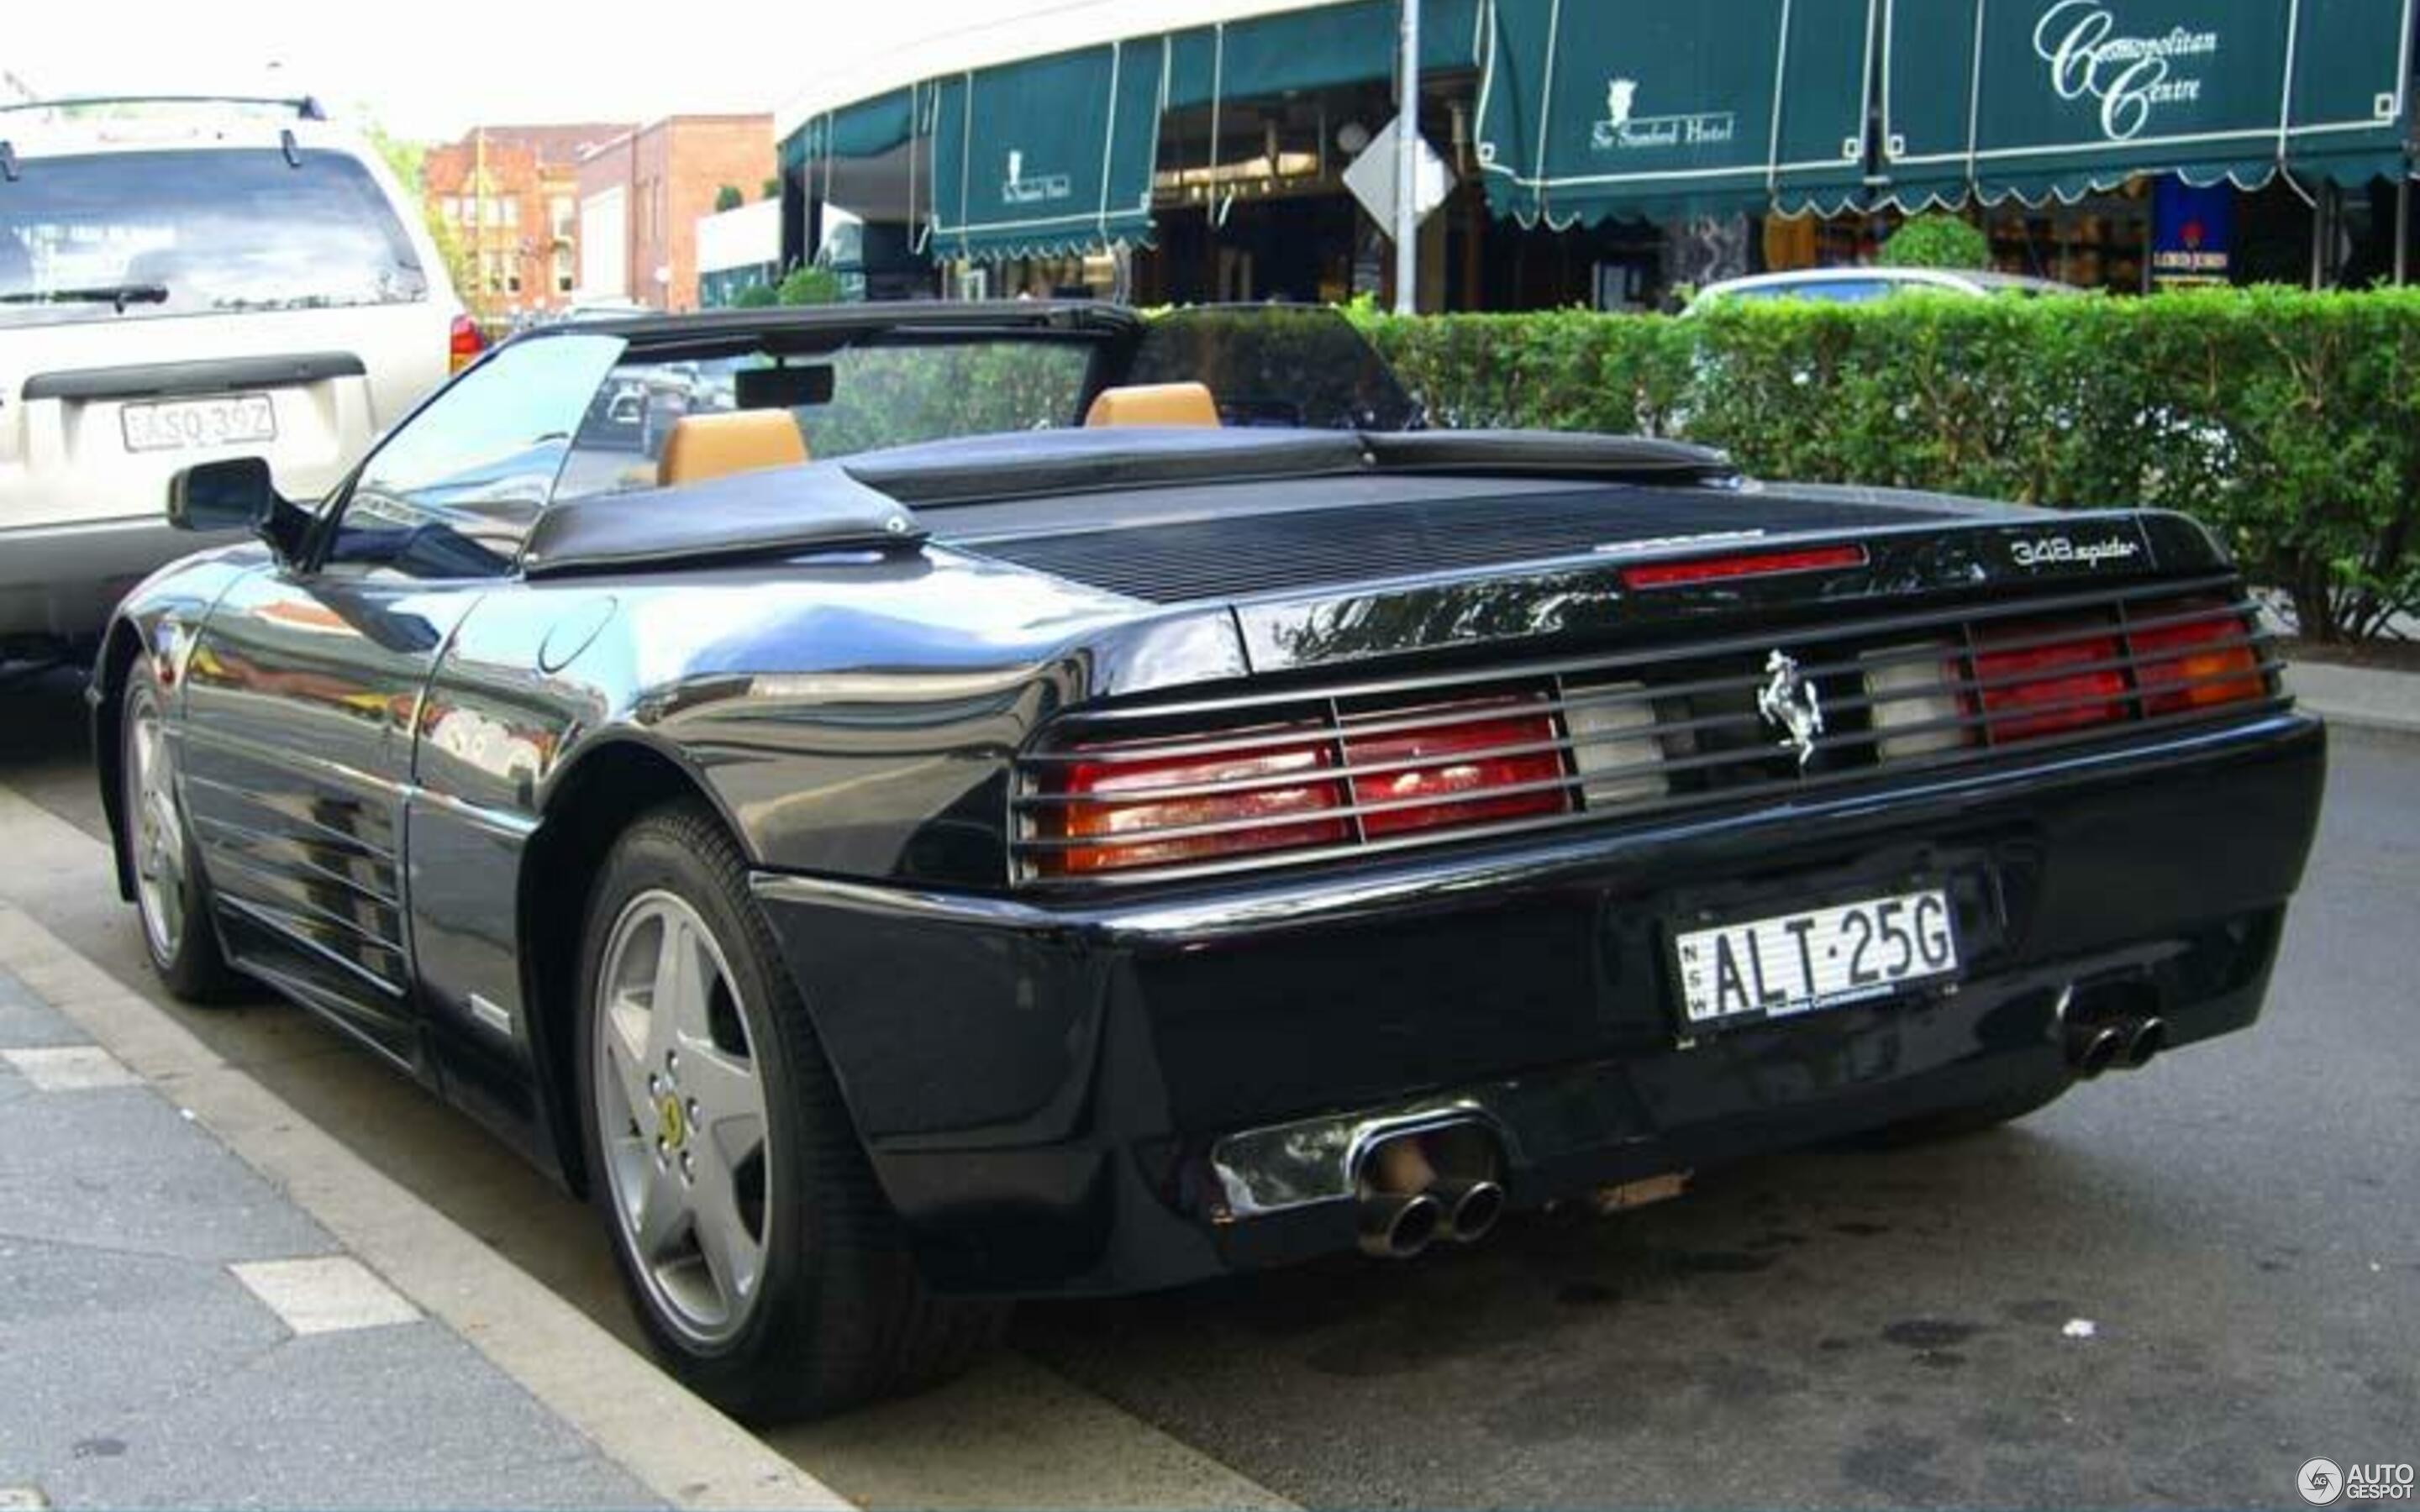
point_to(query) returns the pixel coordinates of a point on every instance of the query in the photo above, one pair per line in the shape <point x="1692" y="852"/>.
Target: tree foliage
<point x="1937" y="240"/>
<point x="2288" y="422"/>
<point x="810" y="285"/>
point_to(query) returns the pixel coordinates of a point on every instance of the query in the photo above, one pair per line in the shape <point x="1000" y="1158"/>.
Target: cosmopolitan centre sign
<point x="2126" y="78"/>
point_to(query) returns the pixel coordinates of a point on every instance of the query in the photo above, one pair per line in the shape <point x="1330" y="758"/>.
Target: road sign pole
<point x="1408" y="143"/>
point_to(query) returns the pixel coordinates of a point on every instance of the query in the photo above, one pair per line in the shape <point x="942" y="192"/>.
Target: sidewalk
<point x="2361" y="696"/>
<point x="175" y="1332"/>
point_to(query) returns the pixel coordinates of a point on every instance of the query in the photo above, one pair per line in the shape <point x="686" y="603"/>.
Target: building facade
<point x="1613" y="153"/>
<point x="508" y="197"/>
<point x="641" y="194"/>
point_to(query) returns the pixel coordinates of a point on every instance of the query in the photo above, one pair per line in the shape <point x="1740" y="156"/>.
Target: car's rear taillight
<point x="2197" y="655"/>
<point x="464" y="344"/>
<point x="2043" y="678"/>
<point x="1483" y="772"/>
<point x="1369" y="775"/>
<point x="1125" y="808"/>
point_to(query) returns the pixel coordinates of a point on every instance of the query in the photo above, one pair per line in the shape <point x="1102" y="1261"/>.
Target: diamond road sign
<point x="1371" y="179"/>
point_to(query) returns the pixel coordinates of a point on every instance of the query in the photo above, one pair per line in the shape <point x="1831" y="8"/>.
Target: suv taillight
<point x="464" y="344"/>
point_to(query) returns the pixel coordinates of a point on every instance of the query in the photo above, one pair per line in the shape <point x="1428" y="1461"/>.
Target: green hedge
<point x="2287" y="421"/>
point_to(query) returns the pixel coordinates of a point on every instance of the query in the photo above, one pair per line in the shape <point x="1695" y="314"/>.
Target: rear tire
<point x="761" y="1256"/>
<point x="172" y="895"/>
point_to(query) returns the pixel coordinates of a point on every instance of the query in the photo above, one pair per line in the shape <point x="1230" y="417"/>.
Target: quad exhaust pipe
<point x="2122" y="1040"/>
<point x="1418" y="1188"/>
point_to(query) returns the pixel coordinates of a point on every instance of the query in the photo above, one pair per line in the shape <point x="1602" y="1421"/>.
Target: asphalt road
<point x="2233" y="1232"/>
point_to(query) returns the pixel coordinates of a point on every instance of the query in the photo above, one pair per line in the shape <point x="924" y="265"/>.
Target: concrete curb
<point x="2361" y="697"/>
<point x="678" y="1445"/>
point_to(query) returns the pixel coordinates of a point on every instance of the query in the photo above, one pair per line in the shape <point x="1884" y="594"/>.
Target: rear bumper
<point x="1113" y="1096"/>
<point x="61" y="581"/>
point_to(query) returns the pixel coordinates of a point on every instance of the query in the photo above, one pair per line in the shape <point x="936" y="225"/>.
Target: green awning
<point x="1673" y="108"/>
<point x="867" y="128"/>
<point x="2064" y="98"/>
<point x="1321" y="48"/>
<point x="1046" y="157"/>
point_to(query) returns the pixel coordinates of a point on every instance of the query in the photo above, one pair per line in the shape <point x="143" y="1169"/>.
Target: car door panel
<point x="300" y="700"/>
<point x="305" y="693"/>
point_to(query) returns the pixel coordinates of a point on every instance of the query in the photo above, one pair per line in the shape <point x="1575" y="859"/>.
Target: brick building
<point x="641" y="196"/>
<point x="510" y="195"/>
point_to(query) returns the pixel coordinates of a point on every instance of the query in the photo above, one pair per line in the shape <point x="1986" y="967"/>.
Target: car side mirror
<point x="237" y="494"/>
<point x="233" y="495"/>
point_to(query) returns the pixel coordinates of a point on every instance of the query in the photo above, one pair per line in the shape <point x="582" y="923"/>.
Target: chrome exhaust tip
<point x="1470" y="1208"/>
<point x="2093" y="1048"/>
<point x="1396" y="1228"/>
<point x="2147" y="1039"/>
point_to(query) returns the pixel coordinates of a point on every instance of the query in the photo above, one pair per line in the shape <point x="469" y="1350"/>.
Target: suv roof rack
<point x="307" y="107"/>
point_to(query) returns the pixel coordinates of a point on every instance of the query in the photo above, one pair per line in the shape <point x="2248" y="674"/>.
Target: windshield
<point x="859" y="398"/>
<point x="1276" y="364"/>
<point x="132" y="236"/>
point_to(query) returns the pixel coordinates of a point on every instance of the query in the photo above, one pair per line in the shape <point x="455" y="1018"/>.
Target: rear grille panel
<point x="1654" y="731"/>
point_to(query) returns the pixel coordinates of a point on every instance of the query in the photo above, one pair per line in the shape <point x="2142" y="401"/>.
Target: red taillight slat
<point x="1117" y="809"/>
<point x="2180" y="667"/>
<point x="1125" y="810"/>
<point x="1754" y="564"/>
<point x="2045" y="689"/>
<point x="1465" y="784"/>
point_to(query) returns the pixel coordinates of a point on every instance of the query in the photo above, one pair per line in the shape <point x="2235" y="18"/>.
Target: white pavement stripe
<point x="1015" y="1434"/>
<point x="78" y="1067"/>
<point x="21" y="1499"/>
<point x="678" y="1445"/>
<point x="328" y="1294"/>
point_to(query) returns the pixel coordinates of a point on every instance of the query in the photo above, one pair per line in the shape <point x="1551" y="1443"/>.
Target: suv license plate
<point x="1788" y="964"/>
<point x="178" y="423"/>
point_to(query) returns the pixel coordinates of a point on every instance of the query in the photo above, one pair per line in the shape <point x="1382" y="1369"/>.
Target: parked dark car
<point x="1006" y="856"/>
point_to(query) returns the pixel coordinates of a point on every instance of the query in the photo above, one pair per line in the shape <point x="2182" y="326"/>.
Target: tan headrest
<point x="1155" y="404"/>
<point x="738" y="441"/>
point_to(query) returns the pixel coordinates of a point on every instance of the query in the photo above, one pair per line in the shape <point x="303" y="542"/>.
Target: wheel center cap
<point x="671" y="1123"/>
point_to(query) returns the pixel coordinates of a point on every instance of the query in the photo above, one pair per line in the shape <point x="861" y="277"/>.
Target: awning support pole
<point x="2402" y="229"/>
<point x="2319" y="236"/>
<point x="1407" y="163"/>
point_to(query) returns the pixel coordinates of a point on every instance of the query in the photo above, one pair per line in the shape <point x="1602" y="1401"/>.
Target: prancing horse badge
<point x="1789" y="703"/>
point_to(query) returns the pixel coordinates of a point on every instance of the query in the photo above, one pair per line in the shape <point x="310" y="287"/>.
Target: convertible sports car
<point x="1134" y="806"/>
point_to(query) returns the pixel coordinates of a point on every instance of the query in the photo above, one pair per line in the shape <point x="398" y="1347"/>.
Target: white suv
<point x="181" y="281"/>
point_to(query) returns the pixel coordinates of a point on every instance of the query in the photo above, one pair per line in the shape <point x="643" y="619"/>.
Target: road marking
<point x="77" y="1068"/>
<point x="1014" y="1434"/>
<point x="22" y="1499"/>
<point x="675" y="1442"/>
<point x="327" y="1294"/>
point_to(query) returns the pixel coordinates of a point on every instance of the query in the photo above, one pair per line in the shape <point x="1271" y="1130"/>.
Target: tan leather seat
<point x="738" y="440"/>
<point x="1155" y="404"/>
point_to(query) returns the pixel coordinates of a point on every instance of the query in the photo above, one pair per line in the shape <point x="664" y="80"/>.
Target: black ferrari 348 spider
<point x="915" y="806"/>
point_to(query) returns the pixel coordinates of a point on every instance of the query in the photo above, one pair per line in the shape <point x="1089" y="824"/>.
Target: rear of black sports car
<point x="1537" y="858"/>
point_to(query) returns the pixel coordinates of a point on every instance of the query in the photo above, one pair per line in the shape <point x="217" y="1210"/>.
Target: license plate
<point x="1787" y="963"/>
<point x="176" y="423"/>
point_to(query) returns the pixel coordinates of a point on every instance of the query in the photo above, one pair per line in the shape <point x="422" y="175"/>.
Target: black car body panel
<point x="1076" y="1086"/>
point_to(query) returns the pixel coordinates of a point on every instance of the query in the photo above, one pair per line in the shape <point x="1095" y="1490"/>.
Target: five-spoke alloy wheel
<point x="171" y="892"/>
<point x="682" y="1113"/>
<point x="767" y="1264"/>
